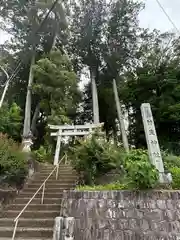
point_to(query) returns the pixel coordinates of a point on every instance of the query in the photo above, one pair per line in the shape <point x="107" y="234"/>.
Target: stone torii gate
<point x="70" y="130"/>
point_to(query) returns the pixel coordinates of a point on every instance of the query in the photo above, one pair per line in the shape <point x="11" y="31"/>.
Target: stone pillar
<point x="64" y="228"/>
<point x="152" y="142"/>
<point x="27" y="143"/>
<point x="58" y="229"/>
<point x="69" y="228"/>
<point x="58" y="148"/>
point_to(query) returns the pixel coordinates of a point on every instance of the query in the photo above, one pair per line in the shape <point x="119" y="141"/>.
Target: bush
<point x="11" y="121"/>
<point x="42" y="154"/>
<point x="142" y="174"/>
<point x="175" y="171"/>
<point x="93" y="158"/>
<point x="13" y="165"/>
<point x="137" y="155"/>
<point x="171" y="161"/>
<point x="111" y="186"/>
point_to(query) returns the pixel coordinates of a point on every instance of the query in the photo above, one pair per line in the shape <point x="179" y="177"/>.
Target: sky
<point x="151" y="17"/>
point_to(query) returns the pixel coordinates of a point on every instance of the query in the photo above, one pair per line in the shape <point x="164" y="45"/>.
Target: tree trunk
<point x="34" y="120"/>
<point x="5" y="87"/>
<point x="54" y="41"/>
<point x="55" y="34"/>
<point x="120" y="117"/>
<point x="94" y="97"/>
<point x="27" y="118"/>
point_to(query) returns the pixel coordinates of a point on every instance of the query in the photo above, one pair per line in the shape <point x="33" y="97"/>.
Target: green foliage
<point x="27" y="17"/>
<point x="56" y="85"/>
<point x="155" y="80"/>
<point x="137" y="155"/>
<point x="107" y="39"/>
<point x="108" y="55"/>
<point x="175" y="171"/>
<point x="143" y="174"/>
<point x="13" y="164"/>
<point x="172" y="148"/>
<point x="11" y="121"/>
<point x="171" y="161"/>
<point x="94" y="157"/>
<point x="172" y="165"/>
<point x="43" y="154"/>
<point x="111" y="186"/>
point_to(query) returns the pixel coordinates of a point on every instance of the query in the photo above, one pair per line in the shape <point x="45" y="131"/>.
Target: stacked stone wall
<point x="123" y="215"/>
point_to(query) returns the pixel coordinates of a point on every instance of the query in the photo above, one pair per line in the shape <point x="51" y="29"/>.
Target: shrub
<point x="137" y="155"/>
<point x="143" y="174"/>
<point x="93" y="158"/>
<point x="42" y="154"/>
<point x="111" y="186"/>
<point x="11" y="121"/>
<point x="175" y="171"/>
<point x="13" y="166"/>
<point x="171" y="161"/>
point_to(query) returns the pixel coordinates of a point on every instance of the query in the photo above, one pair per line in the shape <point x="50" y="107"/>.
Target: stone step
<point x="31" y="214"/>
<point x="51" y="185"/>
<point x="28" y="222"/>
<point x="35" y="207"/>
<point x="47" y="190"/>
<point x="39" y="194"/>
<point x="27" y="232"/>
<point x="61" y="170"/>
<point x="62" y="178"/>
<point x="66" y="170"/>
<point x="37" y="221"/>
<point x="38" y="200"/>
<point x="53" y="176"/>
<point x="48" y="171"/>
<point x="52" y="165"/>
<point x="53" y="181"/>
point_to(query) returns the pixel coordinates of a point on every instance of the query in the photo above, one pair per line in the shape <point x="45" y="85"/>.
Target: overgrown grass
<point x="111" y="186"/>
<point x="175" y="171"/>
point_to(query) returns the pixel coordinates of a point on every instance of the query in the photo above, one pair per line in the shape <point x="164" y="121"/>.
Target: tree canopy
<point x="104" y="39"/>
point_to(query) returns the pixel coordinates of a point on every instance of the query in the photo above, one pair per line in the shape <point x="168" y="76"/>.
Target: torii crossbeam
<point x="70" y="130"/>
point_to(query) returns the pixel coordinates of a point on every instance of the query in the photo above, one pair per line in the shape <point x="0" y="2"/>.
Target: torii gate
<point x="70" y="130"/>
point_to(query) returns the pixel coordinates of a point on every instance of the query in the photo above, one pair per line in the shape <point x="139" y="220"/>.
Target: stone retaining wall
<point x="6" y="196"/>
<point x="124" y="215"/>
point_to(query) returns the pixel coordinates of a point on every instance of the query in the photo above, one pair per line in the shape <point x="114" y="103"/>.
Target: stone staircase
<point x="38" y="219"/>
